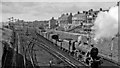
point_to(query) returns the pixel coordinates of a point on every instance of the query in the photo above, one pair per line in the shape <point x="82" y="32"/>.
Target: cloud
<point x="59" y="8"/>
<point x="46" y="10"/>
<point x="19" y="7"/>
<point x="11" y="8"/>
<point x="60" y="0"/>
<point x="0" y="12"/>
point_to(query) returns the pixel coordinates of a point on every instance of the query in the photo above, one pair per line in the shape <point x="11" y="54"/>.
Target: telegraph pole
<point x="118" y="3"/>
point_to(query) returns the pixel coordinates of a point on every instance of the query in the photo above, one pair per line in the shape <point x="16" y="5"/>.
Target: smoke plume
<point x="106" y="24"/>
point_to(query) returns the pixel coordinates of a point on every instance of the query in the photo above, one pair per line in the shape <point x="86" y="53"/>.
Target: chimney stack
<point x="100" y="9"/>
<point x="83" y="11"/>
<point x="70" y="14"/>
<point x="86" y="12"/>
<point x="118" y="3"/>
<point x="66" y="13"/>
<point x="78" y="12"/>
<point x="62" y="14"/>
<point x="52" y="18"/>
<point x="91" y="9"/>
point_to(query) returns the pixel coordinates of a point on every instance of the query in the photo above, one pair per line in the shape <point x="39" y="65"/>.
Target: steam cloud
<point x="106" y="24"/>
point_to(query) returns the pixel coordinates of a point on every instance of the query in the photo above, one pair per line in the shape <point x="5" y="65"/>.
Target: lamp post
<point x="111" y="48"/>
<point x="50" y="63"/>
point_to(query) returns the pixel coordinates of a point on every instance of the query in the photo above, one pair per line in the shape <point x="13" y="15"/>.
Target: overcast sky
<point x="45" y="10"/>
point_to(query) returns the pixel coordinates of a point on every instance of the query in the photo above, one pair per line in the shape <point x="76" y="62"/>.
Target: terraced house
<point x="79" y="18"/>
<point x="64" y="20"/>
<point x="52" y="23"/>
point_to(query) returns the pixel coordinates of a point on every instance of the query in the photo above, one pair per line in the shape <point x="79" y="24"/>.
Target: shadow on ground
<point x="11" y="59"/>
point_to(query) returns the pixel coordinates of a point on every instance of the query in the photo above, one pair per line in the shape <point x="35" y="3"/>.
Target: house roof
<point x="64" y="17"/>
<point x="79" y="15"/>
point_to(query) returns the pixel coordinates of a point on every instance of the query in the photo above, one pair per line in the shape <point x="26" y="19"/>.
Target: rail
<point x="116" y="64"/>
<point x="62" y="56"/>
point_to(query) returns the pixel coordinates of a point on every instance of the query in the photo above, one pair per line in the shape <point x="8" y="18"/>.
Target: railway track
<point x="56" y="54"/>
<point x="52" y="52"/>
<point x="50" y="47"/>
<point x="60" y="55"/>
<point x="108" y="62"/>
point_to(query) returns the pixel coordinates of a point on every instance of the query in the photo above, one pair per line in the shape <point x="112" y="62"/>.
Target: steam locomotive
<point x="84" y="52"/>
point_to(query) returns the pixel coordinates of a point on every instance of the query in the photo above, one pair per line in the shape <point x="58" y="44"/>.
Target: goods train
<point x="79" y="49"/>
